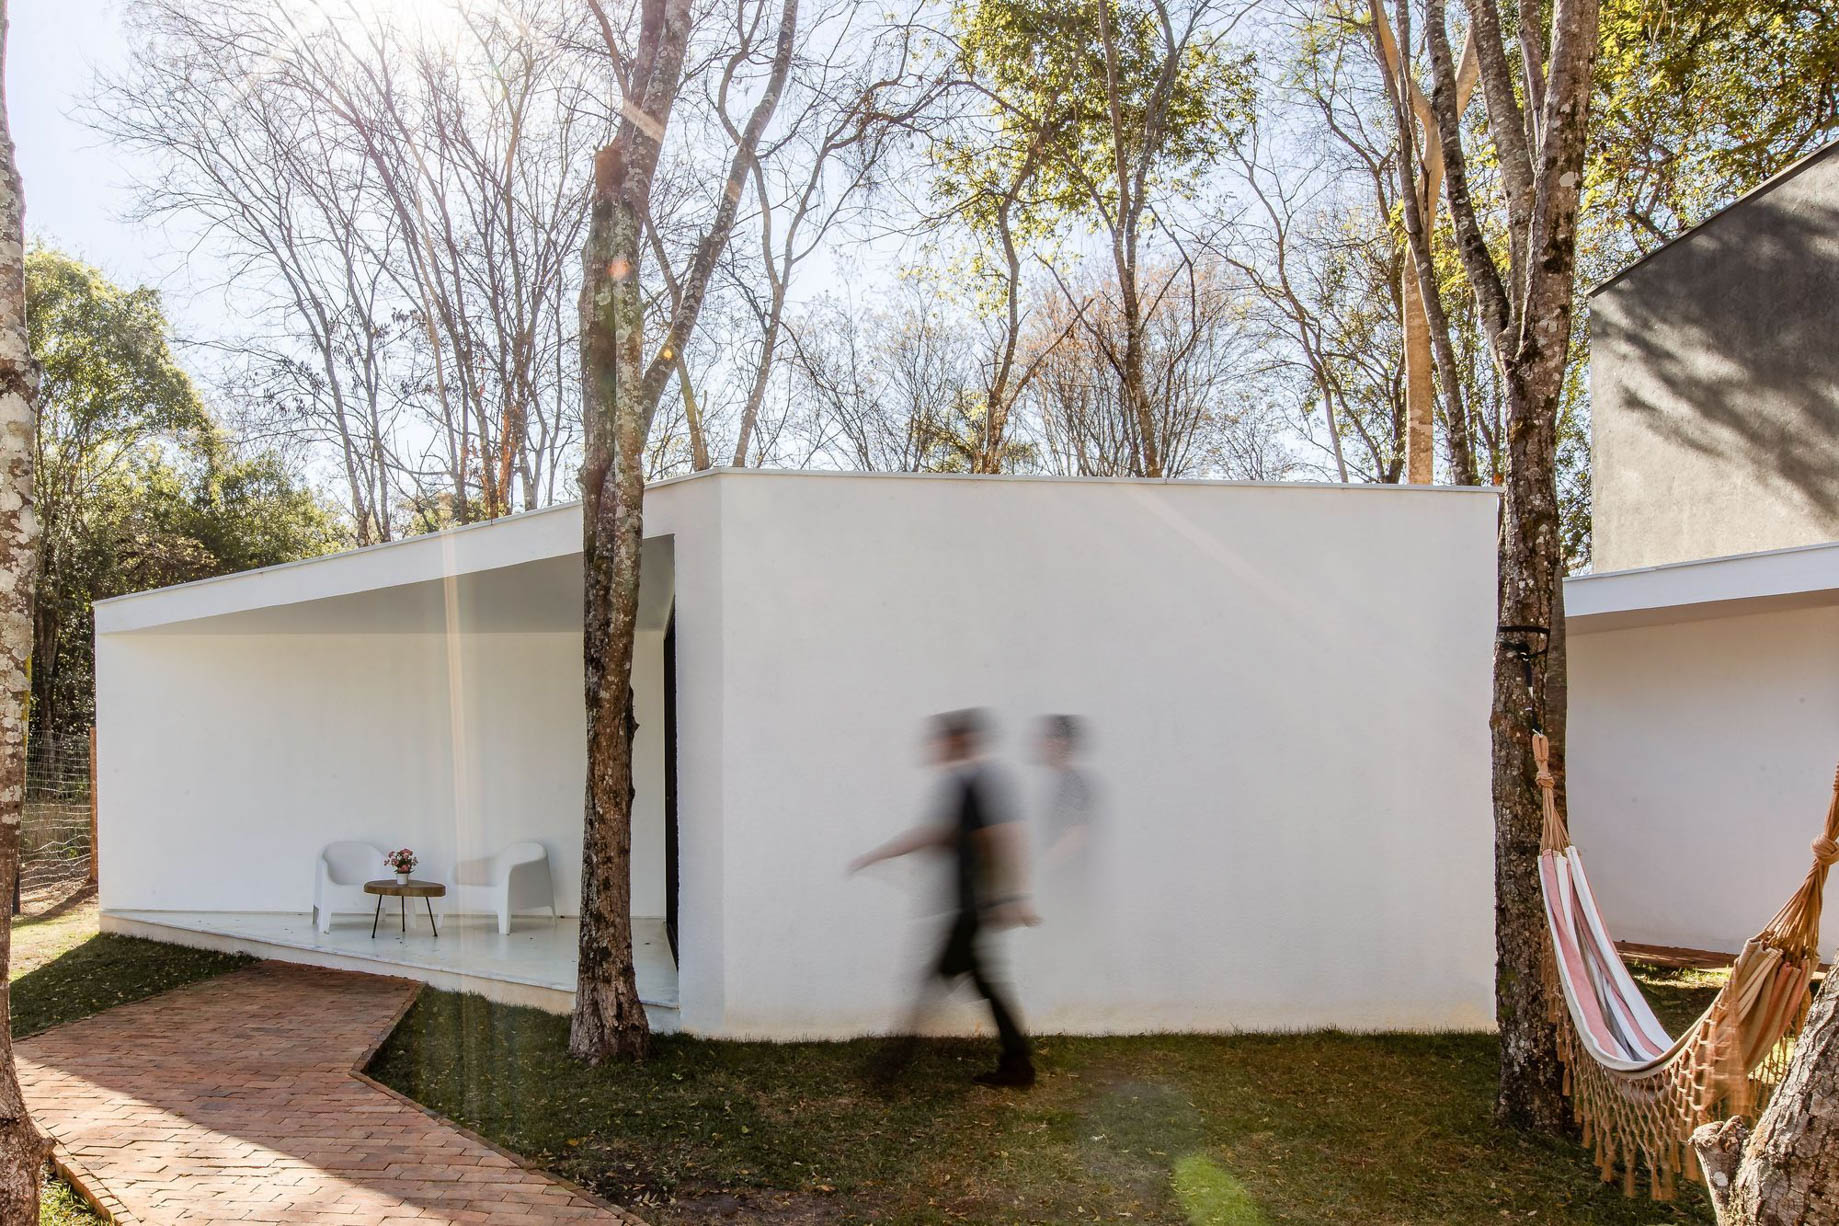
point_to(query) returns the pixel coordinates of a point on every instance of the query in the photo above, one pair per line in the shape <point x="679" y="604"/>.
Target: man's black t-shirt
<point x="976" y="801"/>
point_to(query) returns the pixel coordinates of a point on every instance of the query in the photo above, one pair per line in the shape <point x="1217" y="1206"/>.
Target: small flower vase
<point x="402" y="879"/>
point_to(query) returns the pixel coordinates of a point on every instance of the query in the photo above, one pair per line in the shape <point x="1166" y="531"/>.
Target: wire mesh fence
<point x="54" y="832"/>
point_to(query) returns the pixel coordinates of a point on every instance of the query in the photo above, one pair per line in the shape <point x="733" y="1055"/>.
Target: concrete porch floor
<point x="534" y="964"/>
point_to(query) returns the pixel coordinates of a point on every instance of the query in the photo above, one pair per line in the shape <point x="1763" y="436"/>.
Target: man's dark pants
<point x="960" y="957"/>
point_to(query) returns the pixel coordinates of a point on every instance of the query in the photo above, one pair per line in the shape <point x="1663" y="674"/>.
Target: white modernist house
<point x="1704" y="728"/>
<point x="1287" y="687"/>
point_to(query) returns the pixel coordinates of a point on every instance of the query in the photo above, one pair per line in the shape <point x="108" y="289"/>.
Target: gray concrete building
<point x="1714" y="374"/>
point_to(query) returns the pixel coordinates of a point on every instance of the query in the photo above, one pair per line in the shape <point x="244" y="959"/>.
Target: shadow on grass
<point x="69" y="902"/>
<point x="1184" y="1130"/>
<point x="104" y="971"/>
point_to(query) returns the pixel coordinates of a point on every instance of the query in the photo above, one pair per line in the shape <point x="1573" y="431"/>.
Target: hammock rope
<point x="1636" y="1092"/>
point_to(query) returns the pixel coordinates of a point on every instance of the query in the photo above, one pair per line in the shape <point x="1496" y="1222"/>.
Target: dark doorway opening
<point x="670" y="783"/>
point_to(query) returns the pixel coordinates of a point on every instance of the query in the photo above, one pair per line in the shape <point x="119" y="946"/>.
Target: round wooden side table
<point x="389" y="887"/>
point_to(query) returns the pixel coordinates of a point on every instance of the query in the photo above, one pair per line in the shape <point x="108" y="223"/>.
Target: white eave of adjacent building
<point x="1802" y="577"/>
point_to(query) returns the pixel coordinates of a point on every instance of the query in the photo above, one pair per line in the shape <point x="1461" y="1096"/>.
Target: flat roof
<point x="529" y="538"/>
<point x="1806" y="576"/>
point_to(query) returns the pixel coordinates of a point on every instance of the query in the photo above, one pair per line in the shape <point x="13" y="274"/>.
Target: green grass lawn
<point x="59" y="1204"/>
<point x="1209" y="1131"/>
<point x="107" y="970"/>
<point x="64" y="969"/>
<point x="1678" y="995"/>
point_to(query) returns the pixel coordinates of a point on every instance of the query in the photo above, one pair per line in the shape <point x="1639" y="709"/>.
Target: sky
<point x="77" y="188"/>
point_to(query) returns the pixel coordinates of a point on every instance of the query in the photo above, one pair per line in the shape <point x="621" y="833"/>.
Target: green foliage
<point x="1697" y="102"/>
<point x="1050" y="143"/>
<point x="136" y="485"/>
<point x="107" y="380"/>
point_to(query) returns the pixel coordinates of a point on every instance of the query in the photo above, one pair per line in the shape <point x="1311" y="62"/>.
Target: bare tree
<point x="994" y="200"/>
<point x="23" y="1148"/>
<point x="402" y="213"/>
<point x="1526" y="313"/>
<point x="251" y="167"/>
<point x="621" y="389"/>
<point x="1200" y="370"/>
<point x="890" y="389"/>
<point x="1138" y="151"/>
<point x="1427" y="328"/>
<point x="1277" y="249"/>
<point x="1314" y="240"/>
<point x="855" y="101"/>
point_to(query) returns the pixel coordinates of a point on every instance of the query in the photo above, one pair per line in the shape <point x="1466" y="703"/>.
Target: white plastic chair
<point x="516" y="879"/>
<point x="339" y="884"/>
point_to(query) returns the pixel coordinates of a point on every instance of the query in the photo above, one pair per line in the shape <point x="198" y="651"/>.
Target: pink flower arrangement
<point x="401" y="861"/>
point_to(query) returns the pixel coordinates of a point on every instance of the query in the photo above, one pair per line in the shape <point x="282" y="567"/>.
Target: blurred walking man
<point x="975" y="826"/>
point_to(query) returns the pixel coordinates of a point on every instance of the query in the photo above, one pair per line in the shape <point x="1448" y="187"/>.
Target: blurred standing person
<point x="1069" y="966"/>
<point x="975" y="826"/>
<point x="1071" y="800"/>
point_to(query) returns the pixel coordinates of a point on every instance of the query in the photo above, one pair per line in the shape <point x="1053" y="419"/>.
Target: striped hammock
<point x="1636" y="1091"/>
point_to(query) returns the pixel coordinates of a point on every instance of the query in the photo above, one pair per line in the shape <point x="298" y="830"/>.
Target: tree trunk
<point x="1526" y="314"/>
<point x="609" y="1021"/>
<point x="1136" y="392"/>
<point x="692" y="418"/>
<point x="1530" y="598"/>
<point x="22" y="1147"/>
<point x="1786" y="1173"/>
<point x="1133" y="393"/>
<point x="1531" y="1076"/>
<point x="1420" y="442"/>
<point x="763" y="372"/>
<point x="620" y="393"/>
<point x="43" y="707"/>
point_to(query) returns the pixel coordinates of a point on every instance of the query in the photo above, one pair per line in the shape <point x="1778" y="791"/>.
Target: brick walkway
<point x="235" y="1100"/>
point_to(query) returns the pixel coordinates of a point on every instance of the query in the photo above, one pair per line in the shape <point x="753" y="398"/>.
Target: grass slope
<point x="1203" y="1130"/>
<point x="104" y="971"/>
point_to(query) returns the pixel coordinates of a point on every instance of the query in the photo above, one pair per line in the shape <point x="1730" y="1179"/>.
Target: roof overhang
<point x="1772" y="581"/>
<point x="516" y="575"/>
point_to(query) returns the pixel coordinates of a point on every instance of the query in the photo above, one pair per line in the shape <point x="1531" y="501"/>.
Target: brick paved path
<point x="235" y="1100"/>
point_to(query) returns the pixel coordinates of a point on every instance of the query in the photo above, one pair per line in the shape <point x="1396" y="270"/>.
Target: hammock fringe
<point x="1637" y="1105"/>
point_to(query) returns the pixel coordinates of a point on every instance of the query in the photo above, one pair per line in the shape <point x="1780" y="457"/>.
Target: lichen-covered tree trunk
<point x="22" y="1146"/>
<point x="1135" y="386"/>
<point x="1526" y="312"/>
<point x="609" y="1020"/>
<point x="1532" y="1079"/>
<point x="1785" y="1173"/>
<point x="620" y="394"/>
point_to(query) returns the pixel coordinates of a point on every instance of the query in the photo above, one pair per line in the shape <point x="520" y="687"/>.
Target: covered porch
<point x="422" y="694"/>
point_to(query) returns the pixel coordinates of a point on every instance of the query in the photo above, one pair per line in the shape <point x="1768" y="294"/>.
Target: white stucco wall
<point x="1701" y="759"/>
<point x="689" y="512"/>
<point x="1288" y="688"/>
<point x="226" y="761"/>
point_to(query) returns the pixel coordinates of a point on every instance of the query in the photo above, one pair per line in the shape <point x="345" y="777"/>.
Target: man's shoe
<point x="1010" y="1074"/>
